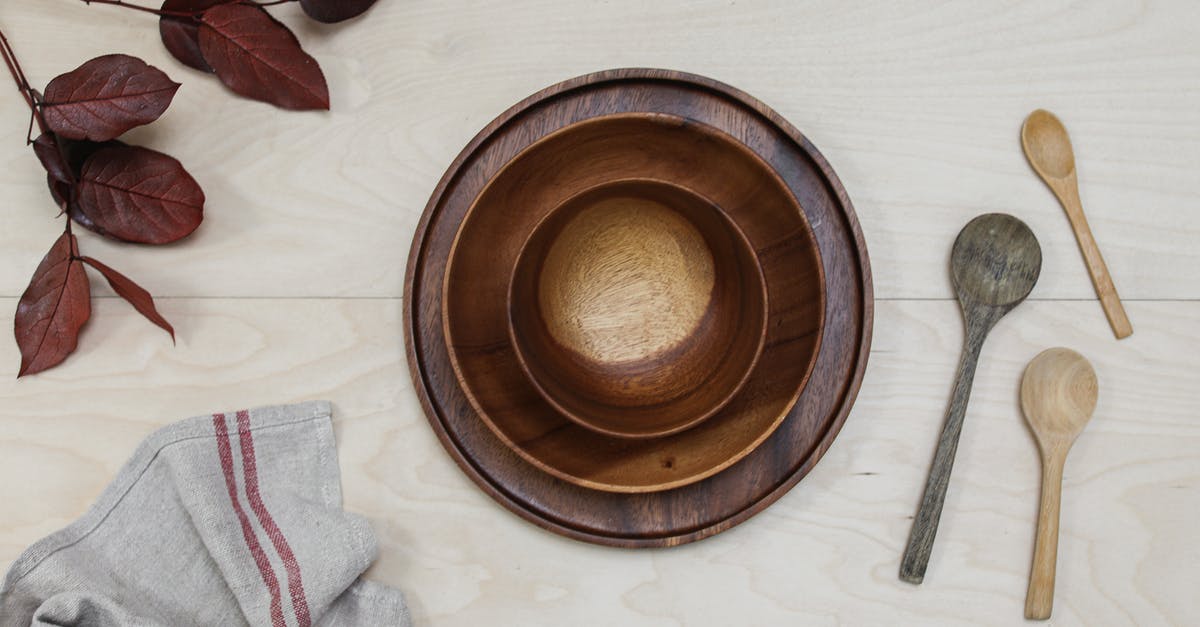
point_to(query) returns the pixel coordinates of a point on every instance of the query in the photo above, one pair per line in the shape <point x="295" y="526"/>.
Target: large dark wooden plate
<point x="700" y="509"/>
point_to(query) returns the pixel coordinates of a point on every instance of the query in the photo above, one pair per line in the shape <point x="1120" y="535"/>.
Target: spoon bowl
<point x="1058" y="395"/>
<point x="1047" y="145"/>
<point x="995" y="262"/>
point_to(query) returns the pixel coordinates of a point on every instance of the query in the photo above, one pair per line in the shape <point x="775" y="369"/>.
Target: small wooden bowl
<point x="637" y="308"/>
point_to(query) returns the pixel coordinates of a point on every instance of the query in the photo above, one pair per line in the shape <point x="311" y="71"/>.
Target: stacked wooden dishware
<point x="638" y="308"/>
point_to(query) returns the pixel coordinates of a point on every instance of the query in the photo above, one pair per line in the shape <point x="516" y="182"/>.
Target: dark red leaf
<point x="181" y="35"/>
<point x="134" y="293"/>
<point x="81" y="219"/>
<point x="139" y="195"/>
<point x="53" y="308"/>
<point x="330" y="11"/>
<point x="60" y="192"/>
<point x="76" y="152"/>
<point x="48" y="152"/>
<point x="259" y="58"/>
<point x="105" y="97"/>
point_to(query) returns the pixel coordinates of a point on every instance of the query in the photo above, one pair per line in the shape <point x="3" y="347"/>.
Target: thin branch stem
<point x="138" y="7"/>
<point x="14" y="68"/>
<point x="33" y="115"/>
<point x="182" y="14"/>
<point x="67" y="230"/>
<point x="32" y="99"/>
<point x="18" y="72"/>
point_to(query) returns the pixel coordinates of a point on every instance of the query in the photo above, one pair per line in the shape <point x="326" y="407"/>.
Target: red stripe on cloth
<point x="250" y="466"/>
<point x="256" y="550"/>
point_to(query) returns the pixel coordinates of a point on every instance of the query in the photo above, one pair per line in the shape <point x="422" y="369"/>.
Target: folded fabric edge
<point x="142" y="458"/>
<point x="369" y="599"/>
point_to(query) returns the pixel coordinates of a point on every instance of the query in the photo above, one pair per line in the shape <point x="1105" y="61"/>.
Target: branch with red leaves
<point x="127" y="193"/>
<point x="252" y="53"/>
<point x="134" y="194"/>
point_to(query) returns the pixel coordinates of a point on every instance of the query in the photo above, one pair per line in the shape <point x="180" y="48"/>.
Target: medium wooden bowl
<point x="597" y="152"/>
<point x="637" y="308"/>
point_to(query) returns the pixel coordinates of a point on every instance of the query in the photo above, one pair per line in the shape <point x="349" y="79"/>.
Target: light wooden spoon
<point x="1058" y="396"/>
<point x="1048" y="148"/>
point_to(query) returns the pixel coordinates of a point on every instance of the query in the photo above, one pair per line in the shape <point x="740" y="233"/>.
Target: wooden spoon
<point x="994" y="264"/>
<point x="1048" y="148"/>
<point x="1058" y="396"/>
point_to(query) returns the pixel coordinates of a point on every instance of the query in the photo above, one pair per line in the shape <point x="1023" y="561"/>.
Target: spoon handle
<point x="1067" y="191"/>
<point x="924" y="529"/>
<point x="1039" y="600"/>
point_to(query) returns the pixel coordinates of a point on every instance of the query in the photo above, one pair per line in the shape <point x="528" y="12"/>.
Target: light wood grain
<point x="620" y="285"/>
<point x="826" y="553"/>
<point x="917" y="104"/>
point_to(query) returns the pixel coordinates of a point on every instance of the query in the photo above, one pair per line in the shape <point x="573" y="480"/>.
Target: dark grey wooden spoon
<point x="994" y="265"/>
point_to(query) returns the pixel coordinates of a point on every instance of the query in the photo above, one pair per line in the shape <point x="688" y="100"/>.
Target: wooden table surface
<point x="291" y="290"/>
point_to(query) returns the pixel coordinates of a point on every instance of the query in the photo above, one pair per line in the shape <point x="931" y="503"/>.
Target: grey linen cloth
<point x="228" y="519"/>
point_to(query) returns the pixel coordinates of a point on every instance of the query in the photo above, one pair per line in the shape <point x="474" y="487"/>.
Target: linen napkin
<point x="228" y="519"/>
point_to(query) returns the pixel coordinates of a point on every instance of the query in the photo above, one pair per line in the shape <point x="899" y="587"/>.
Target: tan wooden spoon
<point x="1048" y="148"/>
<point x="1058" y="396"/>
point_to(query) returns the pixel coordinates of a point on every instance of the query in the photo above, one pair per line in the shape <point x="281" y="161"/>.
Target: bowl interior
<point x="637" y="308"/>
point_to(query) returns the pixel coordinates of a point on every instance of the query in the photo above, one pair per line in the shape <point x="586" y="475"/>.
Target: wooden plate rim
<point x="853" y="385"/>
